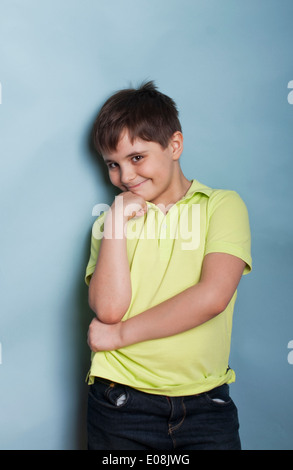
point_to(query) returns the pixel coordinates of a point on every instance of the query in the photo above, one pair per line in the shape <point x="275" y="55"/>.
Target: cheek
<point x="150" y="170"/>
<point x="160" y="172"/>
<point x="114" y="177"/>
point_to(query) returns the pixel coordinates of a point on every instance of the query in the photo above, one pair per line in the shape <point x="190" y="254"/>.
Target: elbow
<point x="215" y="302"/>
<point x="218" y="308"/>
<point x="110" y="315"/>
<point x="219" y="303"/>
<point x="108" y="312"/>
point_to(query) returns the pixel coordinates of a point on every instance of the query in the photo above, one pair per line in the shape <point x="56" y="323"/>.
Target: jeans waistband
<point x="111" y="383"/>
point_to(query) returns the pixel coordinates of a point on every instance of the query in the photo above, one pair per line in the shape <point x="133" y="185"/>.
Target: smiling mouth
<point x="134" y="186"/>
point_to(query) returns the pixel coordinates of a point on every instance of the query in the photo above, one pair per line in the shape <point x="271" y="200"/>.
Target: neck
<point x="184" y="186"/>
<point x="177" y="190"/>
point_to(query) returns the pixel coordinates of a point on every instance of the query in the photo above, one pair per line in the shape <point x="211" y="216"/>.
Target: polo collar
<point x="196" y="187"/>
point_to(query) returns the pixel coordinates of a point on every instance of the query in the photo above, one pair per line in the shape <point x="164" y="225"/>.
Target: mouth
<point x="138" y="185"/>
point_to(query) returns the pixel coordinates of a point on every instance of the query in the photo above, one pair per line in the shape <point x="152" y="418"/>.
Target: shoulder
<point x="226" y="199"/>
<point x="218" y="198"/>
<point x="215" y="195"/>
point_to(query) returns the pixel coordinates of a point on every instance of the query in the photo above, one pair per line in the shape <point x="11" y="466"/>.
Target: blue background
<point x="227" y="64"/>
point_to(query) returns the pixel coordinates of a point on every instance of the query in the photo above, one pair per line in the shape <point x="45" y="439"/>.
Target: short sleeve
<point x="96" y="237"/>
<point x="228" y="229"/>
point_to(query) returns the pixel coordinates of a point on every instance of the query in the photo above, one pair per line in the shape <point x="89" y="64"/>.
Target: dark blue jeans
<point x="122" y="418"/>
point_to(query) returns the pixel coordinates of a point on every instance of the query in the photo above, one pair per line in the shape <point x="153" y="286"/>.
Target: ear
<point x="176" y="143"/>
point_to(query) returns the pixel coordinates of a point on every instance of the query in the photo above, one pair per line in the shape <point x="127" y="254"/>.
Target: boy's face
<point x="145" y="168"/>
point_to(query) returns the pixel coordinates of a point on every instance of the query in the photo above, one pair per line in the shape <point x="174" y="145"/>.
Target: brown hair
<point x="145" y="112"/>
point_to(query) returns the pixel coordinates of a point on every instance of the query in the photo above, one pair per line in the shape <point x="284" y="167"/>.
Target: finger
<point x="140" y="213"/>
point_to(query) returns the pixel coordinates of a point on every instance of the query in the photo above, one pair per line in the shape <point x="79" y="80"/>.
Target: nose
<point x="127" y="174"/>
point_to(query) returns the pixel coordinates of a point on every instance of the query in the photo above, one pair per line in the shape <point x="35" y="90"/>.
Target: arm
<point x="198" y="304"/>
<point x="110" y="285"/>
<point x="110" y="288"/>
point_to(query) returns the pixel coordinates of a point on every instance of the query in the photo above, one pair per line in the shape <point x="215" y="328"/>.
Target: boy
<point x="165" y="263"/>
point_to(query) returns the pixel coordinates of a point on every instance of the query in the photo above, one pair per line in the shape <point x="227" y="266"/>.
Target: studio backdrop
<point x="228" y="65"/>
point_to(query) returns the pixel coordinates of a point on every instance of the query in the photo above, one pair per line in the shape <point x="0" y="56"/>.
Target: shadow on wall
<point x="83" y="313"/>
<point x="83" y="317"/>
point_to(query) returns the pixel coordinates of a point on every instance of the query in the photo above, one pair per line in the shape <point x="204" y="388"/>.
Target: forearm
<point x="177" y="314"/>
<point x="110" y="286"/>
<point x="189" y="309"/>
<point x="194" y="306"/>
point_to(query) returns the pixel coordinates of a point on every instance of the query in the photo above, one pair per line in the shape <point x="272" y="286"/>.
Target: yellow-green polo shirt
<point x="165" y="255"/>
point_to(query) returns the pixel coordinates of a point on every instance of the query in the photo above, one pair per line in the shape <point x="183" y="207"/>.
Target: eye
<point x="112" y="166"/>
<point x="137" y="158"/>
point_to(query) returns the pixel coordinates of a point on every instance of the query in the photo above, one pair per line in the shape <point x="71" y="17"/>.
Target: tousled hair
<point x="145" y="113"/>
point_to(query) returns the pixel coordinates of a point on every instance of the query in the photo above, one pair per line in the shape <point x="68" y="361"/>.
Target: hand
<point x="131" y="205"/>
<point x="104" y="336"/>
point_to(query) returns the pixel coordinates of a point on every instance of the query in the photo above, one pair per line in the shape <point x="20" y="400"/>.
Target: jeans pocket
<point x="117" y="395"/>
<point x="219" y="397"/>
<point x="108" y="393"/>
